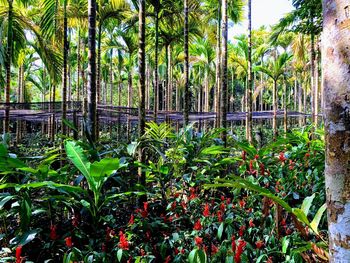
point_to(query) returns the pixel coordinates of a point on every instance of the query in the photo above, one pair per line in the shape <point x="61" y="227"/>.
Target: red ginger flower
<point x="239" y="250"/>
<point x="241" y="230"/>
<point x="242" y="203"/>
<point x="281" y="157"/>
<point x="53" y="234"/>
<point x="206" y="212"/>
<point x="214" y="249"/>
<point x="109" y="234"/>
<point x="18" y="254"/>
<point x="251" y="223"/>
<point x="233" y="243"/>
<point x="219" y="214"/>
<point x="262" y="169"/>
<point x="193" y="193"/>
<point x="132" y="220"/>
<point x="123" y="242"/>
<point x="259" y="244"/>
<point x="197" y="225"/>
<point x="144" y="212"/>
<point x="69" y="242"/>
<point x="222" y="198"/>
<point x="198" y="241"/>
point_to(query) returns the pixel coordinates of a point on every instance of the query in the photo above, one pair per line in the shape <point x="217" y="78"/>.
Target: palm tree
<point x="250" y="86"/>
<point x="91" y="119"/>
<point x="186" y="67"/>
<point x="275" y="69"/>
<point x="224" y="69"/>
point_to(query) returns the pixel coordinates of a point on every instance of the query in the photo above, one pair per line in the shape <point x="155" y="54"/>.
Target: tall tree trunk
<point x="275" y="105"/>
<point x="91" y="98"/>
<point x="223" y="106"/>
<point x="285" y="117"/>
<point x="316" y="89"/>
<point x="19" y="88"/>
<point x="186" y="68"/>
<point x="78" y="68"/>
<point x="142" y="85"/>
<point x="335" y="54"/>
<point x="130" y="89"/>
<point x="111" y="80"/>
<point x="98" y="80"/>
<point x="249" y="118"/>
<point x="170" y="81"/>
<point x="217" y="93"/>
<point x="156" y="84"/>
<point x="312" y="65"/>
<point x="8" y="67"/>
<point x="206" y="91"/>
<point x="65" y="69"/>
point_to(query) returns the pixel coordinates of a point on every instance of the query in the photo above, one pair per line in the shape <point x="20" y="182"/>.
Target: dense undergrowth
<point x="205" y="202"/>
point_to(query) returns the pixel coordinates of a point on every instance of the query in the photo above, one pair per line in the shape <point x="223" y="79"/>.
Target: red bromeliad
<point x="241" y="230"/>
<point x="281" y="157"/>
<point x="198" y="241"/>
<point x="132" y="220"/>
<point x="259" y="244"/>
<point x="233" y="243"/>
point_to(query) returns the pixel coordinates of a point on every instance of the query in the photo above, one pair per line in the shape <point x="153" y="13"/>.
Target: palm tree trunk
<point x="65" y="69"/>
<point x="274" y="102"/>
<point x="223" y="103"/>
<point x="130" y="89"/>
<point x="19" y="84"/>
<point x="142" y="86"/>
<point x="249" y="118"/>
<point x="285" y="117"/>
<point x="98" y="83"/>
<point x="316" y="84"/>
<point x="186" y="67"/>
<point x="8" y="67"/>
<point x="91" y="98"/>
<point x="312" y="65"/>
<point x="111" y="79"/>
<point x="218" y="67"/>
<point x="156" y="84"/>
<point x="336" y="113"/>
<point x="206" y="107"/>
<point x="78" y="68"/>
<point x="170" y="81"/>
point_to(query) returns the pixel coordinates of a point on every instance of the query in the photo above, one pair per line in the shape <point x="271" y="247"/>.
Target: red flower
<point x="18" y="254"/>
<point x="53" y="234"/>
<point x="219" y="214"/>
<point x="193" y="193"/>
<point x="198" y="241"/>
<point x="206" y="212"/>
<point x="282" y="157"/>
<point x="104" y="247"/>
<point x="69" y="242"/>
<point x="239" y="250"/>
<point x="132" y="220"/>
<point x="144" y="212"/>
<point x="259" y="244"/>
<point x="222" y="198"/>
<point x="291" y="165"/>
<point x="142" y="252"/>
<point x="283" y="222"/>
<point x="167" y="260"/>
<point x="173" y="205"/>
<point x="262" y="169"/>
<point x="123" y="242"/>
<point x="184" y="206"/>
<point x="241" y="203"/>
<point x="241" y="230"/>
<point x="307" y="155"/>
<point x="214" y="249"/>
<point x="269" y="260"/>
<point x="256" y="157"/>
<point x="222" y="207"/>
<point x="176" y="251"/>
<point x="228" y="201"/>
<point x="197" y="225"/>
<point x="233" y="243"/>
<point x="75" y="219"/>
<point x="251" y="224"/>
<point x="244" y="155"/>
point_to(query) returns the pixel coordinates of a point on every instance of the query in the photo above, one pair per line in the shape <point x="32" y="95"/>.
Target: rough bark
<point x="91" y="98"/>
<point x="156" y="84"/>
<point x="336" y="83"/>
<point x="218" y="67"/>
<point x="275" y="105"/>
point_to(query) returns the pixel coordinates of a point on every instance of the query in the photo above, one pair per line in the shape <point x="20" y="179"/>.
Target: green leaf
<point x="316" y="221"/>
<point x="5" y="200"/>
<point x="76" y="155"/>
<point x="25" y="213"/>
<point x="305" y="207"/>
<point x="70" y="124"/>
<point x="202" y="256"/>
<point x="132" y="148"/>
<point x="25" y="238"/>
<point x="214" y="150"/>
<point x="220" y="230"/>
<point x="192" y="256"/>
<point x="120" y="255"/>
<point x="285" y="244"/>
<point x="301" y="216"/>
